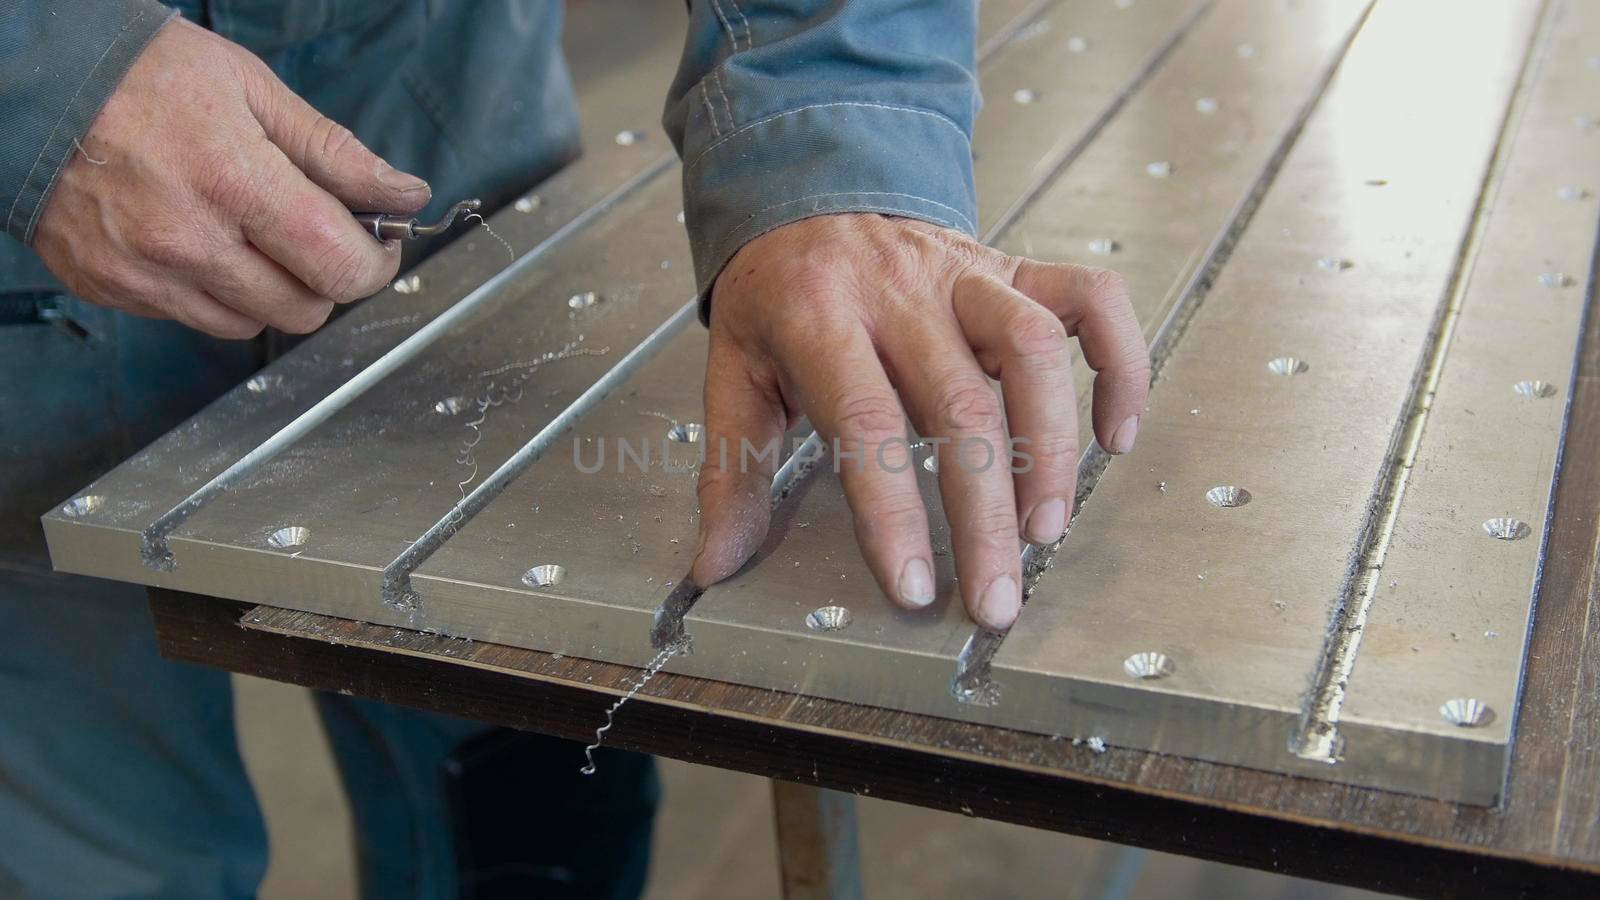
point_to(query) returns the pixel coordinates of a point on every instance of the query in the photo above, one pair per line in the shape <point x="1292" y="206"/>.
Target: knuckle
<point x="728" y="493"/>
<point x="156" y="304"/>
<point x="334" y="139"/>
<point x="708" y="489"/>
<point x="1054" y="450"/>
<point x="1119" y="312"/>
<point x="1137" y="364"/>
<point x="710" y="484"/>
<point x="962" y="252"/>
<point x="868" y="416"/>
<point x="244" y="331"/>
<point x="169" y="249"/>
<point x="220" y="176"/>
<point x="898" y="260"/>
<point x="894" y="514"/>
<point x="1035" y="333"/>
<point x="968" y="406"/>
<point x="869" y="261"/>
<point x="719" y="474"/>
<point x="1105" y="284"/>
<point x="341" y="272"/>
<point x="308" y="317"/>
<point x="994" y="525"/>
<point x="231" y="328"/>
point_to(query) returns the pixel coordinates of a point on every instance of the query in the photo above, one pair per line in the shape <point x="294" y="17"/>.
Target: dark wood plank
<point x="1576" y="618"/>
<point x="1229" y="815"/>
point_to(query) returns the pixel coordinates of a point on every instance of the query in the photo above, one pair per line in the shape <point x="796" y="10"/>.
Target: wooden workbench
<point x="1543" y="841"/>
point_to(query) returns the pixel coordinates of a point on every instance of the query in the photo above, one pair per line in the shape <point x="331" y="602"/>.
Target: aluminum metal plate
<point x="1190" y="608"/>
<point x="1449" y="595"/>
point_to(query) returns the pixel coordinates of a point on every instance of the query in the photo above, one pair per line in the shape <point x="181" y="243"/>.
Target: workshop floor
<point x="722" y="820"/>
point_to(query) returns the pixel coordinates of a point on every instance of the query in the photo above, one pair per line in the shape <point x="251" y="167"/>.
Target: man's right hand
<point x="207" y="192"/>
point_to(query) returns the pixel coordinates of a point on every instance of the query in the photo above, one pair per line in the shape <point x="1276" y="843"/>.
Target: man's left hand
<point x="856" y="320"/>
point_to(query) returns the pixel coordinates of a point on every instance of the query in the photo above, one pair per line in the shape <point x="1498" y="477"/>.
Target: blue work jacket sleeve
<point x="59" y="62"/>
<point x="785" y="109"/>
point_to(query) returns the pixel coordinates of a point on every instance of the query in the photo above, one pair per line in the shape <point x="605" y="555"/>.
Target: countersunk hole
<point x="629" y="137"/>
<point x="410" y="284"/>
<point x="1535" y="389"/>
<point x="1467" y="712"/>
<point x="1148" y="665"/>
<point x="1288" y="365"/>
<point x="583" y="300"/>
<point x="78" y="507"/>
<point x="1228" y="496"/>
<point x="544" y="576"/>
<point x="451" y="406"/>
<point x="1555" y="280"/>
<point x="290" y="536"/>
<point x="1506" y="528"/>
<point x="685" y="432"/>
<point x="1104" y="246"/>
<point x="261" y="384"/>
<point x="1334" y="264"/>
<point x="828" y="618"/>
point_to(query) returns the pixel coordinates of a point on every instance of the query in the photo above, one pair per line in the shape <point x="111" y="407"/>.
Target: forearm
<point x="785" y="109"/>
<point x="61" y="59"/>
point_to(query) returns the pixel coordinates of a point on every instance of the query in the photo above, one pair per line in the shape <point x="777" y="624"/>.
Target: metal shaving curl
<point x="656" y="665"/>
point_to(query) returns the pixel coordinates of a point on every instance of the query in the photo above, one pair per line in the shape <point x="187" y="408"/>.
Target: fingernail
<point x="391" y="177"/>
<point x="916" y="583"/>
<point x="1122" y="439"/>
<point x="1048" y="521"/>
<point x="1000" y="603"/>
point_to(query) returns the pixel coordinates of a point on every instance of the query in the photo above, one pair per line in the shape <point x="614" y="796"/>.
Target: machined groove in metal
<point x="667" y="628"/>
<point x="1318" y="737"/>
<point x="397" y="590"/>
<point x="1057" y="160"/>
<point x="972" y="679"/>
<point x="1005" y="35"/>
<point x="155" y="551"/>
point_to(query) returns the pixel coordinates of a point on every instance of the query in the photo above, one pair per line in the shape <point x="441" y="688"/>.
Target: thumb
<point x="327" y="152"/>
<point x="744" y="437"/>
